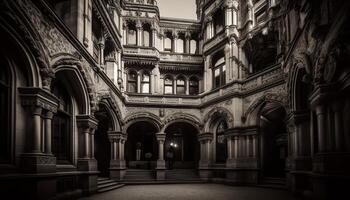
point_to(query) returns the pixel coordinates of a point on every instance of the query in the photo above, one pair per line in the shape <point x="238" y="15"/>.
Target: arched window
<point x="132" y="82"/>
<point x="221" y="149"/>
<point x="147" y="41"/>
<point x="219" y="74"/>
<point x="145" y="83"/>
<point x="132" y="35"/>
<point x="61" y="126"/>
<point x="4" y="114"/>
<point x="180" y="85"/>
<point x="180" y="45"/>
<point x="193" y="47"/>
<point x="168" y="42"/>
<point x="168" y="85"/>
<point x="194" y="86"/>
<point x="219" y="20"/>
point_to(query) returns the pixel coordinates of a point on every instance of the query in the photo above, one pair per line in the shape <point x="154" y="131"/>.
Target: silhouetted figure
<point x="170" y="157"/>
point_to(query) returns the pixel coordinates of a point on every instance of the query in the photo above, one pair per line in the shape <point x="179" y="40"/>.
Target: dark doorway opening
<point x="183" y="137"/>
<point x="273" y="140"/>
<point x="141" y="145"/>
<point x="102" y="144"/>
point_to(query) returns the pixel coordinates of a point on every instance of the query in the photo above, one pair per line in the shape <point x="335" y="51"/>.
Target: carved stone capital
<point x="37" y="97"/>
<point x="87" y="122"/>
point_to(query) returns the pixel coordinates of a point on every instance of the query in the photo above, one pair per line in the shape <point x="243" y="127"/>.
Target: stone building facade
<point x="251" y="91"/>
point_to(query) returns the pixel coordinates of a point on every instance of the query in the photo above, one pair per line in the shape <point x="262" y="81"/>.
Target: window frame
<point x="165" y="85"/>
<point x="145" y="82"/>
<point x="129" y="81"/>
<point x="193" y="79"/>
<point x="181" y="78"/>
<point x="222" y="73"/>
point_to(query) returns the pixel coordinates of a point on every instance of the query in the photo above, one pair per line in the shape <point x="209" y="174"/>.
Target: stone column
<point x="230" y="159"/>
<point x="101" y="45"/>
<point x="188" y="42"/>
<point x="174" y="50"/>
<point x="204" y="164"/>
<point x="321" y="127"/>
<point x="338" y="126"/>
<point x="48" y="135"/>
<point x="139" y="33"/>
<point x="37" y="157"/>
<point x="154" y="34"/>
<point x="87" y="124"/>
<point x="117" y="164"/>
<point x="160" y="162"/>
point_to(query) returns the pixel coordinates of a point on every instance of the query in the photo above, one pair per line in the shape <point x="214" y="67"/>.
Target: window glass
<point x="193" y="47"/>
<point x="146" y="38"/>
<point x="145" y="84"/>
<point x="168" y="86"/>
<point x="180" y="86"/>
<point x="194" y="86"/>
<point x="180" y="45"/>
<point x="131" y="37"/>
<point x="167" y="44"/>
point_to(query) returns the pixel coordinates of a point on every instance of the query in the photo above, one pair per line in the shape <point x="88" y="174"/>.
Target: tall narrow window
<point x="132" y="82"/>
<point x="132" y="35"/>
<point x="219" y="74"/>
<point x="194" y="86"/>
<point x="145" y="83"/>
<point x="4" y="115"/>
<point x="221" y="148"/>
<point x="167" y="44"/>
<point x="180" y="85"/>
<point x="193" y="47"/>
<point x="180" y="45"/>
<point x="147" y="41"/>
<point x="168" y="85"/>
<point x="61" y="126"/>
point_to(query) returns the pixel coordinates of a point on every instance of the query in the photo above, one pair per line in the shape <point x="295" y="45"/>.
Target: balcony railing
<point x="176" y="57"/>
<point x="141" y="51"/>
<point x="273" y="74"/>
<point x="145" y="2"/>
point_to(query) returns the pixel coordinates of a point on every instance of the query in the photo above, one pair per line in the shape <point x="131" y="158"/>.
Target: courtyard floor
<point x="192" y="192"/>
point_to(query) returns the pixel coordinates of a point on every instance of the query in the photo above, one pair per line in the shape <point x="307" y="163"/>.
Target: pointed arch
<point x="214" y="114"/>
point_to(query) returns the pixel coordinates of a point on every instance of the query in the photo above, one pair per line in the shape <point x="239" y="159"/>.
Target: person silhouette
<point x="170" y="157"/>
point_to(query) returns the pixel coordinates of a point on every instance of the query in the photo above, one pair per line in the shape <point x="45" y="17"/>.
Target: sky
<point x="177" y="8"/>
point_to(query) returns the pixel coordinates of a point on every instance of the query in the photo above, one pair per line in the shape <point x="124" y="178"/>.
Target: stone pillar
<point x="37" y="157"/>
<point x="87" y="124"/>
<point x="160" y="162"/>
<point x="187" y="42"/>
<point x="204" y="164"/>
<point x="117" y="164"/>
<point x="321" y="127"/>
<point x="230" y="156"/>
<point x="154" y="34"/>
<point x="338" y="126"/>
<point x="48" y="134"/>
<point x="139" y="33"/>
<point x="174" y="50"/>
<point x="101" y="45"/>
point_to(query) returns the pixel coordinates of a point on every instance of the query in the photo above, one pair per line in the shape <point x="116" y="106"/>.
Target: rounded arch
<point x="251" y="116"/>
<point x="214" y="114"/>
<point x="142" y="116"/>
<point x="181" y="117"/>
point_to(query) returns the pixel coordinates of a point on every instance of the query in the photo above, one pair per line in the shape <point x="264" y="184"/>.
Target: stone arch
<point x="215" y="113"/>
<point x="112" y="112"/>
<point x="253" y="111"/>
<point x="181" y="117"/>
<point x="79" y="83"/>
<point x="142" y="116"/>
<point x="299" y="72"/>
<point x="26" y="42"/>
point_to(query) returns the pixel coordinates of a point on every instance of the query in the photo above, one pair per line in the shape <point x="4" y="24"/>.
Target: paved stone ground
<point x="192" y="192"/>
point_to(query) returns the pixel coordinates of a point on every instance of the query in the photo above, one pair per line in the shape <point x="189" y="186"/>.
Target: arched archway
<point x="102" y="143"/>
<point x="141" y="145"/>
<point x="181" y="138"/>
<point x="273" y="139"/>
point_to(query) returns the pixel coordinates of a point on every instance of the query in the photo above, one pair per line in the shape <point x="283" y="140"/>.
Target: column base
<point x="38" y="163"/>
<point x="117" y="173"/>
<point x="87" y="164"/>
<point x="88" y="183"/>
<point x="117" y="164"/>
<point x="161" y="169"/>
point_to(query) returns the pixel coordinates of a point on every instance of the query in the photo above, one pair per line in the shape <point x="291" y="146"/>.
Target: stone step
<point x="106" y="184"/>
